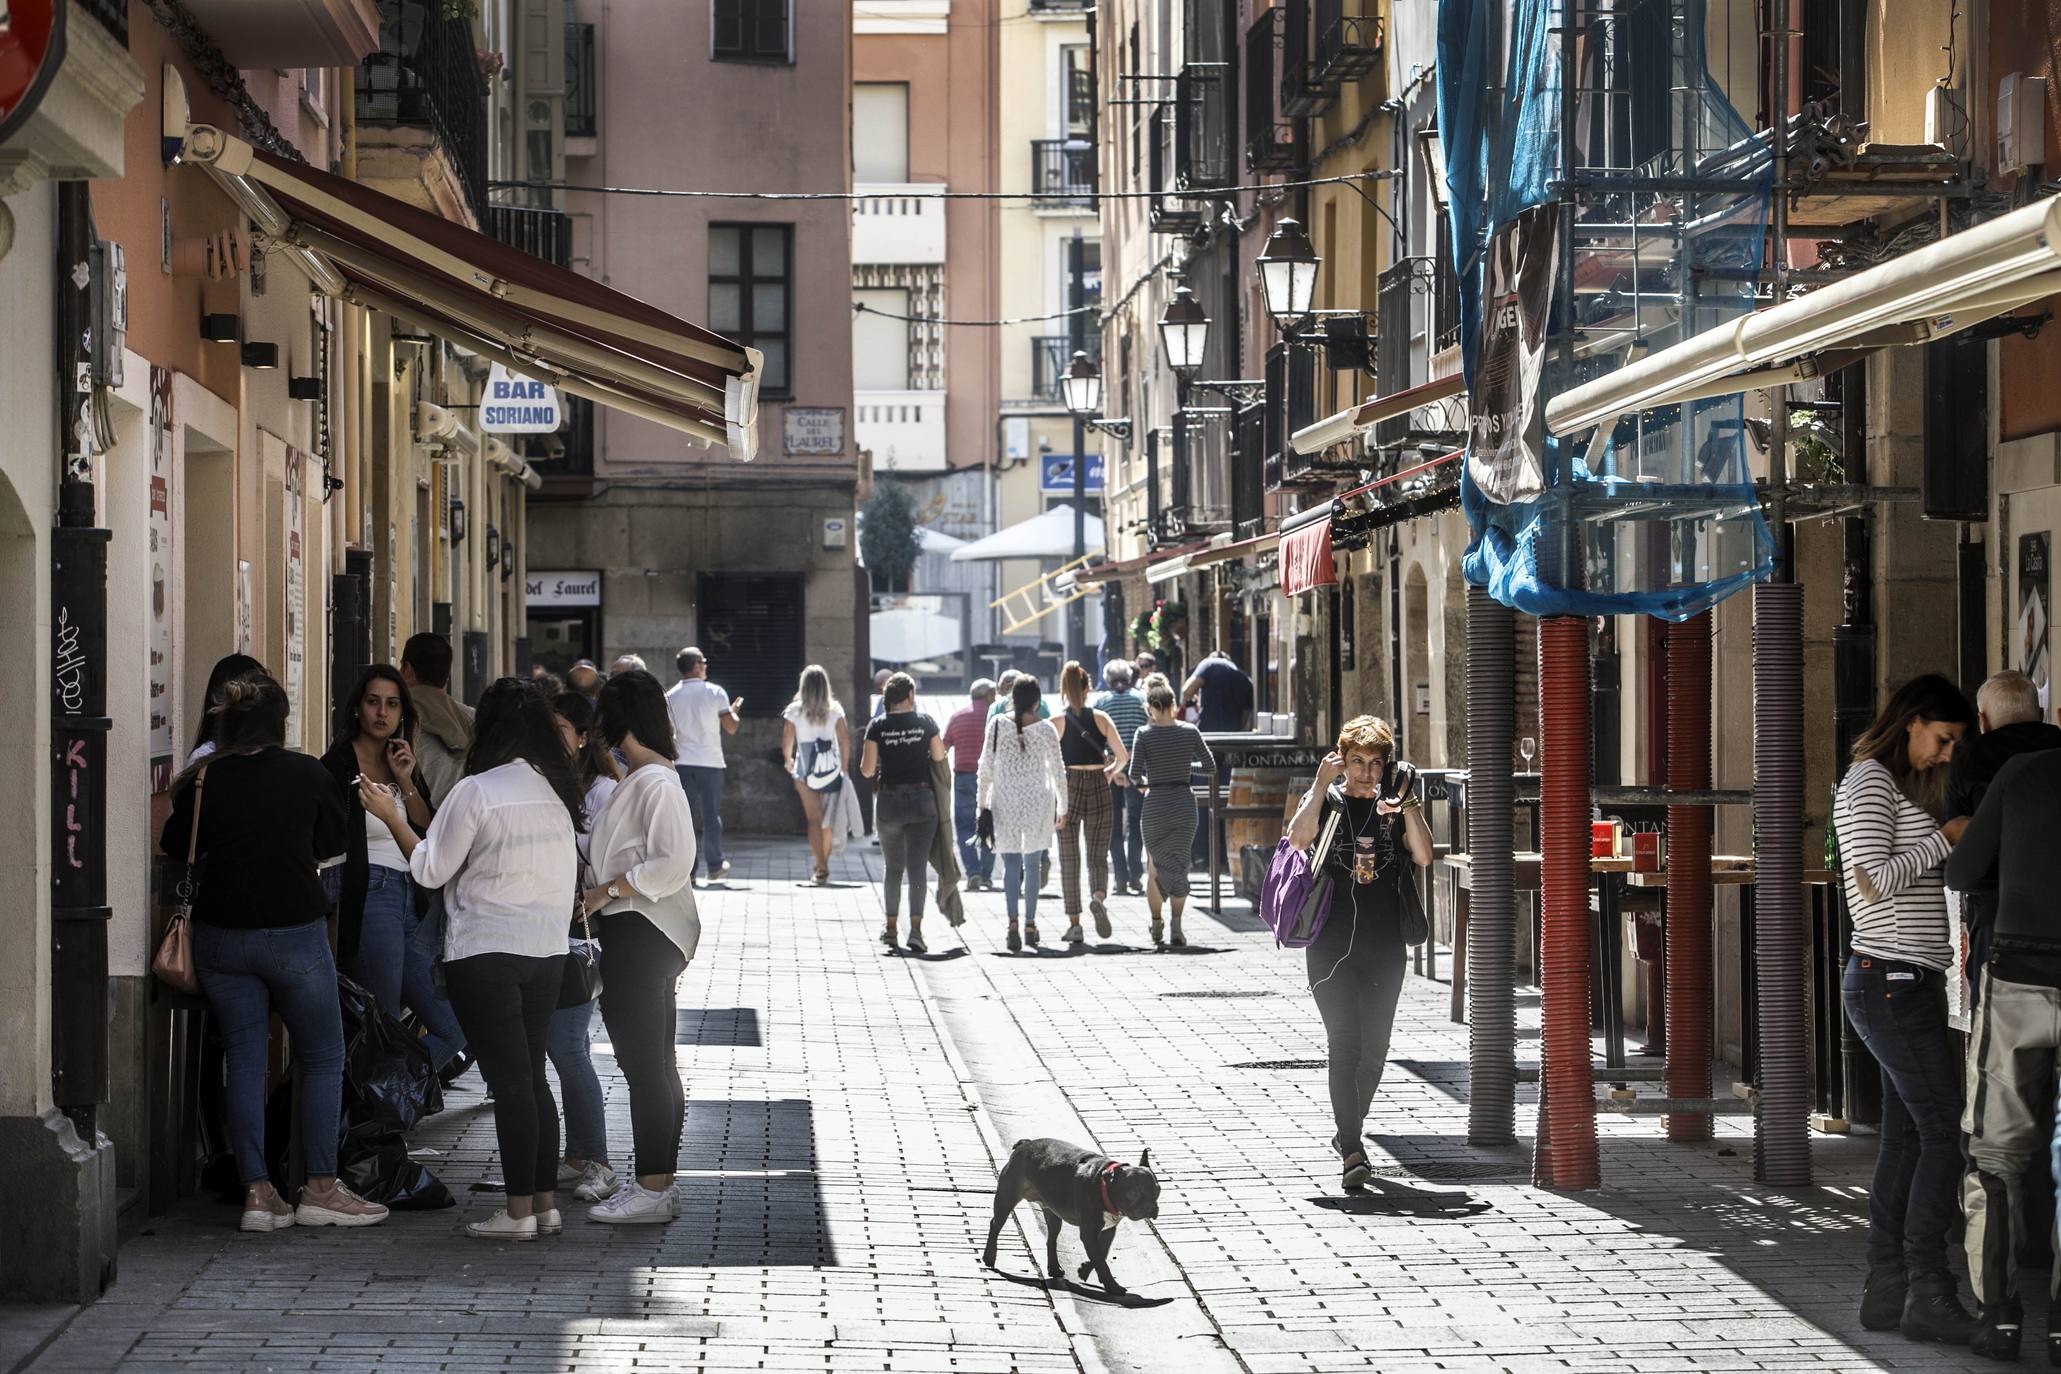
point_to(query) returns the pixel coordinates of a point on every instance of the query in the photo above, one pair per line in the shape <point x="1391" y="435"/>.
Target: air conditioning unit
<point x="2021" y="123"/>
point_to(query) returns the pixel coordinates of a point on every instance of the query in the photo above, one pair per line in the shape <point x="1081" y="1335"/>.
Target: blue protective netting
<point x="1659" y="517"/>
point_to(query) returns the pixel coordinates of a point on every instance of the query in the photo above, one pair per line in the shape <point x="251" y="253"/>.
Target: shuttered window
<point x="751" y="31"/>
<point x="750" y="626"/>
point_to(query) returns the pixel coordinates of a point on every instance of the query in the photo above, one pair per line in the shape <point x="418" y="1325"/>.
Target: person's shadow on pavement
<point x="1396" y="1199"/>
<point x="1098" y="1295"/>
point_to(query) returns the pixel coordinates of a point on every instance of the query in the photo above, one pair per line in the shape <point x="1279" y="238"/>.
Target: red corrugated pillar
<point x="1688" y="875"/>
<point x="1567" y="1097"/>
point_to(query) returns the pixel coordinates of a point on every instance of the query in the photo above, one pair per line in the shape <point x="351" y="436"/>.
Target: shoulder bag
<point x="582" y="981"/>
<point x="173" y="964"/>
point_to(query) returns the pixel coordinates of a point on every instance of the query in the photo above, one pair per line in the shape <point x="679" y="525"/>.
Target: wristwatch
<point x="614" y="891"/>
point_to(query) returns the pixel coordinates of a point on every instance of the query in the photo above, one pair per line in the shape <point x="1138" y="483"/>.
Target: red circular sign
<point x="29" y="49"/>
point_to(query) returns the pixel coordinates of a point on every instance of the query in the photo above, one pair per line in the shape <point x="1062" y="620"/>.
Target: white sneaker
<point x="568" y="1174"/>
<point x="501" y="1226"/>
<point x="636" y="1205"/>
<point x="551" y="1223"/>
<point x="596" y="1182"/>
<point x="265" y="1219"/>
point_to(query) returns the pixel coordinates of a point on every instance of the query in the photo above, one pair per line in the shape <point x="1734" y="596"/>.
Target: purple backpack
<point x="1297" y="896"/>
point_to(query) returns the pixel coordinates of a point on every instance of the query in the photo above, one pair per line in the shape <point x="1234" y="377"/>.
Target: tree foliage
<point x="887" y="535"/>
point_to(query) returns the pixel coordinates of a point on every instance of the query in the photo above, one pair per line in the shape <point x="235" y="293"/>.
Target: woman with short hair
<point x="1021" y="792"/>
<point x="261" y="822"/>
<point x="901" y="744"/>
<point x="1892" y="849"/>
<point x="502" y="846"/>
<point x="642" y="856"/>
<point x="1164" y="752"/>
<point x="816" y="743"/>
<point x="1355" y="965"/>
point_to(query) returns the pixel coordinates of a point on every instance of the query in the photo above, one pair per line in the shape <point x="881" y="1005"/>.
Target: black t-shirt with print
<point x="903" y="739"/>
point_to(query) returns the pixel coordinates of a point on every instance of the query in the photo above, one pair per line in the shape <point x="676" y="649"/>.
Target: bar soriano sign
<point x="516" y="405"/>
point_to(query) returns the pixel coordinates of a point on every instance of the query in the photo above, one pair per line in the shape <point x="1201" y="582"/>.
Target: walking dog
<point x="1071" y="1185"/>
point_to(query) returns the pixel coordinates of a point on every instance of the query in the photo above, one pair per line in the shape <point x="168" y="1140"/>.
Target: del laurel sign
<point x="563" y="589"/>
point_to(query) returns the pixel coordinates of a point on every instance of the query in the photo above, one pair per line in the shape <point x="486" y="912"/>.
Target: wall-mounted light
<point x="457" y="521"/>
<point x="493" y="548"/>
<point x="507" y="558"/>
<point x="264" y="356"/>
<point x="221" y="328"/>
<point x="304" y="388"/>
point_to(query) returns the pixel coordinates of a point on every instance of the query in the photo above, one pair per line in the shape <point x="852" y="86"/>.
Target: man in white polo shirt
<point x="702" y="714"/>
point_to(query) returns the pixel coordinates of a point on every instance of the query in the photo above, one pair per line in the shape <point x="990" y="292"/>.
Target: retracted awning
<point x="537" y="318"/>
<point x="1928" y="293"/>
<point x="1243" y="548"/>
<point x="1334" y="429"/>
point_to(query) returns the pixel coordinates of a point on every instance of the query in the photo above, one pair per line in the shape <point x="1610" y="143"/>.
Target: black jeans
<point x="504" y="1004"/>
<point x="640" y="975"/>
<point x="1355" y="971"/>
<point x="906" y="820"/>
<point x="1900" y="1013"/>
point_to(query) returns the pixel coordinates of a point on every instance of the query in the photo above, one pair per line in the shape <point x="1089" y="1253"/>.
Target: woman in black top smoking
<point x="1355" y="967"/>
<point x="901" y="743"/>
<point x="268" y="821"/>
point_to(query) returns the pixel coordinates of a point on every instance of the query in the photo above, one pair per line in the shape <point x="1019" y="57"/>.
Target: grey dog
<point x="1070" y="1184"/>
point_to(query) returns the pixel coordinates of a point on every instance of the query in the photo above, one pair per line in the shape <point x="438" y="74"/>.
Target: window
<point x="749" y="268"/>
<point x="880" y="340"/>
<point x="750" y="31"/>
<point x="880" y="132"/>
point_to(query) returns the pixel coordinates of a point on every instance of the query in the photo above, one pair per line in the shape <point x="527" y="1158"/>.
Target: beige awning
<point x="1925" y="294"/>
<point x="1356" y="420"/>
<point x="539" y="319"/>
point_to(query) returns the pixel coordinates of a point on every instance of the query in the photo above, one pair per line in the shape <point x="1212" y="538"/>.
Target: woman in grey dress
<point x="1164" y="752"/>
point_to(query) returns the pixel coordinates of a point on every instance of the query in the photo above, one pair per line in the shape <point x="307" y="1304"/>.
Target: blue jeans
<point x="705" y="799"/>
<point x="1126" y="835"/>
<point x="381" y="961"/>
<point x="569" y="1045"/>
<point x="976" y="858"/>
<point x="247" y="975"/>
<point x="1900" y="1013"/>
<point x="1021" y="874"/>
<point x="440" y="1030"/>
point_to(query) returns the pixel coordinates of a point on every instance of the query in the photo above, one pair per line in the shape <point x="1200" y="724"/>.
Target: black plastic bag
<point x="388" y="1080"/>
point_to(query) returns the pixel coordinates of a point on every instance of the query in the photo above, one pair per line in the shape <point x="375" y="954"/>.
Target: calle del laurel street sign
<point x="516" y="405"/>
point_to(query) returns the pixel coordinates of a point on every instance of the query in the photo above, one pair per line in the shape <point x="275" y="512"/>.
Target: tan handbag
<point x="173" y="963"/>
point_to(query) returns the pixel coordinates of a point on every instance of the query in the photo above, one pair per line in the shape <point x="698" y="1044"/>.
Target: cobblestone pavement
<point x="846" y="1109"/>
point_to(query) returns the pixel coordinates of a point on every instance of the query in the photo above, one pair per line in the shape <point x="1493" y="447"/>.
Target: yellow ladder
<point x="1032" y="602"/>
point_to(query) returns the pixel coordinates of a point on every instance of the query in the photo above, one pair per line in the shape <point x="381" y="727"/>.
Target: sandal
<point x="1158" y="932"/>
<point x="1356" y="1175"/>
<point x="1177" y="939"/>
<point x="822" y="878"/>
<point x="1015" y="939"/>
<point x="914" y="944"/>
<point x="887" y="935"/>
<point x="1030" y="933"/>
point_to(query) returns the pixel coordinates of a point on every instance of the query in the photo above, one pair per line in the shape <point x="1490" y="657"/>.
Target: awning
<point x="1167" y="569"/>
<point x="537" y="318"/>
<point x="1925" y="294"/>
<point x="1335" y="429"/>
<point x="1242" y="548"/>
<point x="1042" y="536"/>
<point x="1306" y="559"/>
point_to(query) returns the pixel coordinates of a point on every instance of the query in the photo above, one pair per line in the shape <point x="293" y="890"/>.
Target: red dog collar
<point x="1109" y="1171"/>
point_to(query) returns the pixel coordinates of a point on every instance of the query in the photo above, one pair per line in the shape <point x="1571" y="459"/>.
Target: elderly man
<point x="583" y="677"/>
<point x="965" y="735"/>
<point x="628" y="663"/>
<point x="2008" y="706"/>
<point x="1125" y="708"/>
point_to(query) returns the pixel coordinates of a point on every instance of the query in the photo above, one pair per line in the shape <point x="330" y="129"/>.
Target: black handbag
<point x="582" y="980"/>
<point x="1416" y="927"/>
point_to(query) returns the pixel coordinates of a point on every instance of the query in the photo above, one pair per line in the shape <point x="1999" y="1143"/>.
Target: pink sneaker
<point x="337" y="1207"/>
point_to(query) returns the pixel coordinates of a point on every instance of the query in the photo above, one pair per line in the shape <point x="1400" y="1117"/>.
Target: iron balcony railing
<point x="1348" y="46"/>
<point x="1052" y="354"/>
<point x="1063" y="168"/>
<point x="1269" y="140"/>
<point x="1167" y="213"/>
<point x="542" y="233"/>
<point x="1202" y="126"/>
<point x="1395" y="314"/>
<point x="582" y="91"/>
<point x="1302" y="92"/>
<point x="426" y="74"/>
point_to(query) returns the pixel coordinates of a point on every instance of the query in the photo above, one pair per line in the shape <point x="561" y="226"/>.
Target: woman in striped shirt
<point x="1892" y="847"/>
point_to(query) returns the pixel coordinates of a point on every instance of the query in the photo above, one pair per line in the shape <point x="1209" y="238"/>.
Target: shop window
<point x="750" y="270"/>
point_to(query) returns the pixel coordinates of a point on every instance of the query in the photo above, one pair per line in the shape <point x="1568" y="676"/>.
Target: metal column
<point x="1492" y="905"/>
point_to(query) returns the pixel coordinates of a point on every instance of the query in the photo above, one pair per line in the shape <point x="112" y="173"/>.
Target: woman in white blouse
<point x="816" y="742"/>
<point x="641" y="851"/>
<point x="502" y="847"/>
<point x="1021" y="793"/>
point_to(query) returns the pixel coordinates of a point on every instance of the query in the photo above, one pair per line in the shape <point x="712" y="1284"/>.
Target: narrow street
<point x="846" y="1113"/>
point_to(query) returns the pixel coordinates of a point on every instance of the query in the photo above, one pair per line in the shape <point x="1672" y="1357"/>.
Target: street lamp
<point x="1288" y="275"/>
<point x="1183" y="328"/>
<point x="1082" y="387"/>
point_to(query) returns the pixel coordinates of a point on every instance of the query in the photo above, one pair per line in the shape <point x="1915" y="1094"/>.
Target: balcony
<point x="1202" y="126"/>
<point x="1303" y="92"/>
<point x="1270" y="143"/>
<point x="895" y="224"/>
<point x="1291" y="404"/>
<point x="285" y="33"/>
<point x="565" y="460"/>
<point x="1052" y="354"/>
<point x="1167" y="213"/>
<point x="1063" y="169"/>
<point x="1348" y="45"/>
<point x="904" y="430"/>
<point x="542" y="233"/>
<point x="582" y="86"/>
<point x="422" y="112"/>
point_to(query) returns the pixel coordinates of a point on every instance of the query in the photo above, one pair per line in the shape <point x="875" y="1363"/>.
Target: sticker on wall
<point x="163" y="700"/>
<point x="2034" y="601"/>
<point x="296" y="648"/>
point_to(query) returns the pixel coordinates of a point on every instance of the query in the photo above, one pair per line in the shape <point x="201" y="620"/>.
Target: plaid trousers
<point x="1087" y="811"/>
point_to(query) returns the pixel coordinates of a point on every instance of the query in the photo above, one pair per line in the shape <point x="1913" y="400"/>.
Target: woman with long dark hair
<point x="1021" y="792"/>
<point x="1355" y="967"/>
<point x="570" y="1043"/>
<point x="268" y="821"/>
<point x="375" y="909"/>
<point x="1891" y="850"/>
<point x="1163" y="752"/>
<point x="642" y="853"/>
<point x="901" y="743"/>
<point x="226" y="667"/>
<point x="503" y="848"/>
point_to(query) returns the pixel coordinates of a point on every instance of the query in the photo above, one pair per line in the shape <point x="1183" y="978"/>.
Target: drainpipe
<point x="1492" y="904"/>
<point x="1688" y="875"/>
<point x="1566" y="1156"/>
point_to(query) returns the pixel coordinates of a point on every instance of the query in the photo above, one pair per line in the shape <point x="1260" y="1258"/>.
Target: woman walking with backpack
<point x="1094" y="755"/>
<point x="1021" y="791"/>
<point x="1355" y="965"/>
<point x="1164" y="752"/>
<point x="816" y="743"/>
